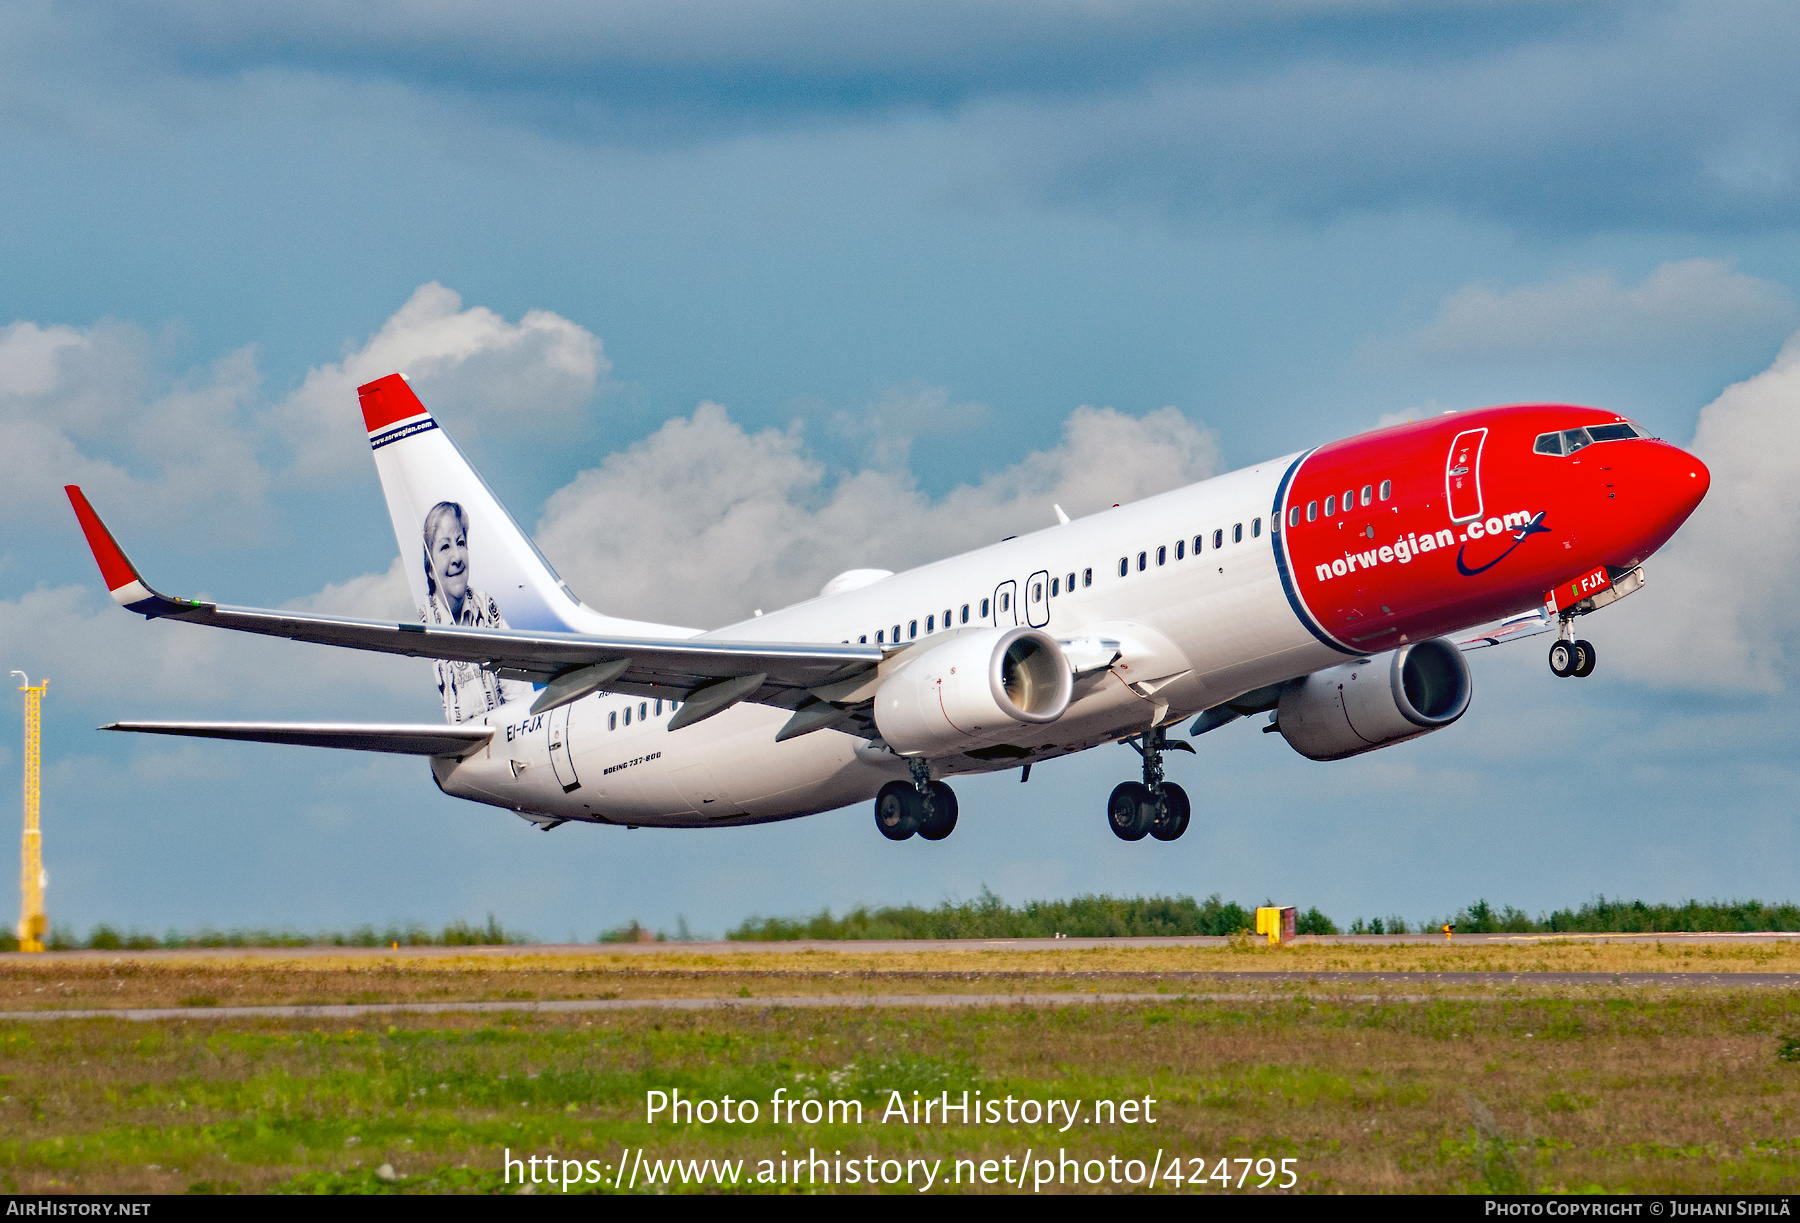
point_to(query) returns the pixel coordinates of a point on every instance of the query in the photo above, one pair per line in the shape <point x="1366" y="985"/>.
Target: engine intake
<point x="1373" y="702"/>
<point x="973" y="689"/>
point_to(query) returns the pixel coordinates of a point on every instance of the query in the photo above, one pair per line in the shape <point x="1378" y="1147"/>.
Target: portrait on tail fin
<point x="467" y="689"/>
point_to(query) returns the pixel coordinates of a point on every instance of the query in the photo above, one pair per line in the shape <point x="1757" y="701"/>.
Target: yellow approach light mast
<point x="33" y="925"/>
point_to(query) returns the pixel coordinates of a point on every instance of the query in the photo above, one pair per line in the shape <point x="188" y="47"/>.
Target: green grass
<point x="1695" y="1092"/>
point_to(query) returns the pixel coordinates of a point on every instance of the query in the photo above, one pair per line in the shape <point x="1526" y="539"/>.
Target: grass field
<point x="1616" y="1089"/>
<point x="101" y="979"/>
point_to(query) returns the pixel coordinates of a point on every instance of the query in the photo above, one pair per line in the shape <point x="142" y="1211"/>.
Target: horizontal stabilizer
<point x="409" y="739"/>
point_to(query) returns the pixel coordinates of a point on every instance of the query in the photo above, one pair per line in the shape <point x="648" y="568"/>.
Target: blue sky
<point x="935" y="265"/>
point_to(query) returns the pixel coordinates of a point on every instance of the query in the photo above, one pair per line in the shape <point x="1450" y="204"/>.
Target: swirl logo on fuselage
<point x="1476" y="530"/>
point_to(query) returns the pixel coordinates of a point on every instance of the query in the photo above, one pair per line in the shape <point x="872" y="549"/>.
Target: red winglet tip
<point x="386" y="401"/>
<point x="115" y="569"/>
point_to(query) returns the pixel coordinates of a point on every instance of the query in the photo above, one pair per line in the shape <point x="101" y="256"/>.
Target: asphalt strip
<point x="931" y="1001"/>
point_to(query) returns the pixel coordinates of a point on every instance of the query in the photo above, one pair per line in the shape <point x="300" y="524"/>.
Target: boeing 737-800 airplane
<point x="1323" y="588"/>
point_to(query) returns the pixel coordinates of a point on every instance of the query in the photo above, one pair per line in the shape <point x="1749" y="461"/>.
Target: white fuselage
<point x="1194" y="630"/>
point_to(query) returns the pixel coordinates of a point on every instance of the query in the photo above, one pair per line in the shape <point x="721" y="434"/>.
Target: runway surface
<point x="1593" y="980"/>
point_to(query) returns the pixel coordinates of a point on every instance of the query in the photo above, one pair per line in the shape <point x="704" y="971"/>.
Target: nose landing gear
<point x="1571" y="656"/>
<point x="921" y="805"/>
<point x="1152" y="807"/>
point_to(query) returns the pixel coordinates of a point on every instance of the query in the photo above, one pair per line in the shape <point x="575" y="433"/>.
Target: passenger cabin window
<point x="1256" y="528"/>
<point x="1006" y="601"/>
<point x="1293" y="516"/>
<point x="612" y="720"/>
<point x="1087" y="577"/>
<point x="896" y="634"/>
<point x="1312" y="511"/>
<point x="880" y="636"/>
<point x="628" y="715"/>
<point x="1387" y="489"/>
<point x="984" y="609"/>
<point x="659" y="709"/>
<point x="1124" y="566"/>
<point x="946" y="617"/>
<point x="965" y="613"/>
<point x="1162" y="556"/>
<point x="1218" y="539"/>
<point x="1237" y="533"/>
<point x="930" y="623"/>
<point x="1071" y="586"/>
<point x="1037" y="592"/>
<point x="1368" y="495"/>
<point x="1055" y="587"/>
<point x="1349" y="499"/>
<point x="643" y="710"/>
<point x="1197" y="540"/>
<point x="1143" y="561"/>
<point x="912" y="629"/>
<point x="1180" y="549"/>
<point x="1331" y="505"/>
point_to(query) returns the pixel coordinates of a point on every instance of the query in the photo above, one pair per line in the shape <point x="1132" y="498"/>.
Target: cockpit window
<point x="1571" y="440"/>
<point x="1612" y="433"/>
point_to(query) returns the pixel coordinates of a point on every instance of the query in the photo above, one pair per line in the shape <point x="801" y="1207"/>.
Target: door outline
<point x="562" y="760"/>
<point x="1462" y="471"/>
<point x="1037" y="599"/>
<point x="1011" y="590"/>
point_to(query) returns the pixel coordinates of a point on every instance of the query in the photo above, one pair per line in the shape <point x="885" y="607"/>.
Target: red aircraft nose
<point x="1678" y="479"/>
<point x="1666" y="484"/>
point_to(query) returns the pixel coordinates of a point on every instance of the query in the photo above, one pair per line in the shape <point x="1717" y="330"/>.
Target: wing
<point x="425" y="739"/>
<point x="706" y="675"/>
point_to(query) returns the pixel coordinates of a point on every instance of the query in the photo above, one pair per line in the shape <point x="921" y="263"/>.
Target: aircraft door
<point x="1006" y="604"/>
<point x="562" y="760"/>
<point x="1462" y="475"/>
<point x="1037" y="599"/>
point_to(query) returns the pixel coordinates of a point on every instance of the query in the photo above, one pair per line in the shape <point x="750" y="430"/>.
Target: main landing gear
<point x="921" y="805"/>
<point x="1570" y="656"/>
<point x="1152" y="806"/>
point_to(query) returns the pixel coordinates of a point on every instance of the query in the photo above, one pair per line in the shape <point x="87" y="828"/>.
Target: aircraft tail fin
<point x="466" y="560"/>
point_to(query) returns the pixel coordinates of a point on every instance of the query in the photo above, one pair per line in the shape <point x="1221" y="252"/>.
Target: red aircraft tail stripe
<point x="387" y="401"/>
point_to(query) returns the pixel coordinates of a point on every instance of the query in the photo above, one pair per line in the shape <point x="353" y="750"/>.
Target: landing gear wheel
<point x="899" y="810"/>
<point x="942" y="820"/>
<point x="1131" y="810"/>
<point x="1563" y="659"/>
<point x="1584" y="659"/>
<point x="1175" y="812"/>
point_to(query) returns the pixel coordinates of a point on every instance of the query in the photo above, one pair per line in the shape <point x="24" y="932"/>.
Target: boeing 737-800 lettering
<point x="1328" y="589"/>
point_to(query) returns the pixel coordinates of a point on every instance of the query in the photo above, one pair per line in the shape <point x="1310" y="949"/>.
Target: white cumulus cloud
<point x="1722" y="610"/>
<point x="1691" y="308"/>
<point x="471" y="363"/>
<point x="702" y="522"/>
<point x="87" y="406"/>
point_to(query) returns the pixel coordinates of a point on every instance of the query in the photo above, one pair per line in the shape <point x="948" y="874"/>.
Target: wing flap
<point x="407" y="739"/>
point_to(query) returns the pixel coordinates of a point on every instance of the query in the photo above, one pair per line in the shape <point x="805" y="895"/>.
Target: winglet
<point x="121" y="576"/>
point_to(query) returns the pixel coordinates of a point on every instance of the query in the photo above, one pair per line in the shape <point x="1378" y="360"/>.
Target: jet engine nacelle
<point x="1373" y="702"/>
<point x="973" y="689"/>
